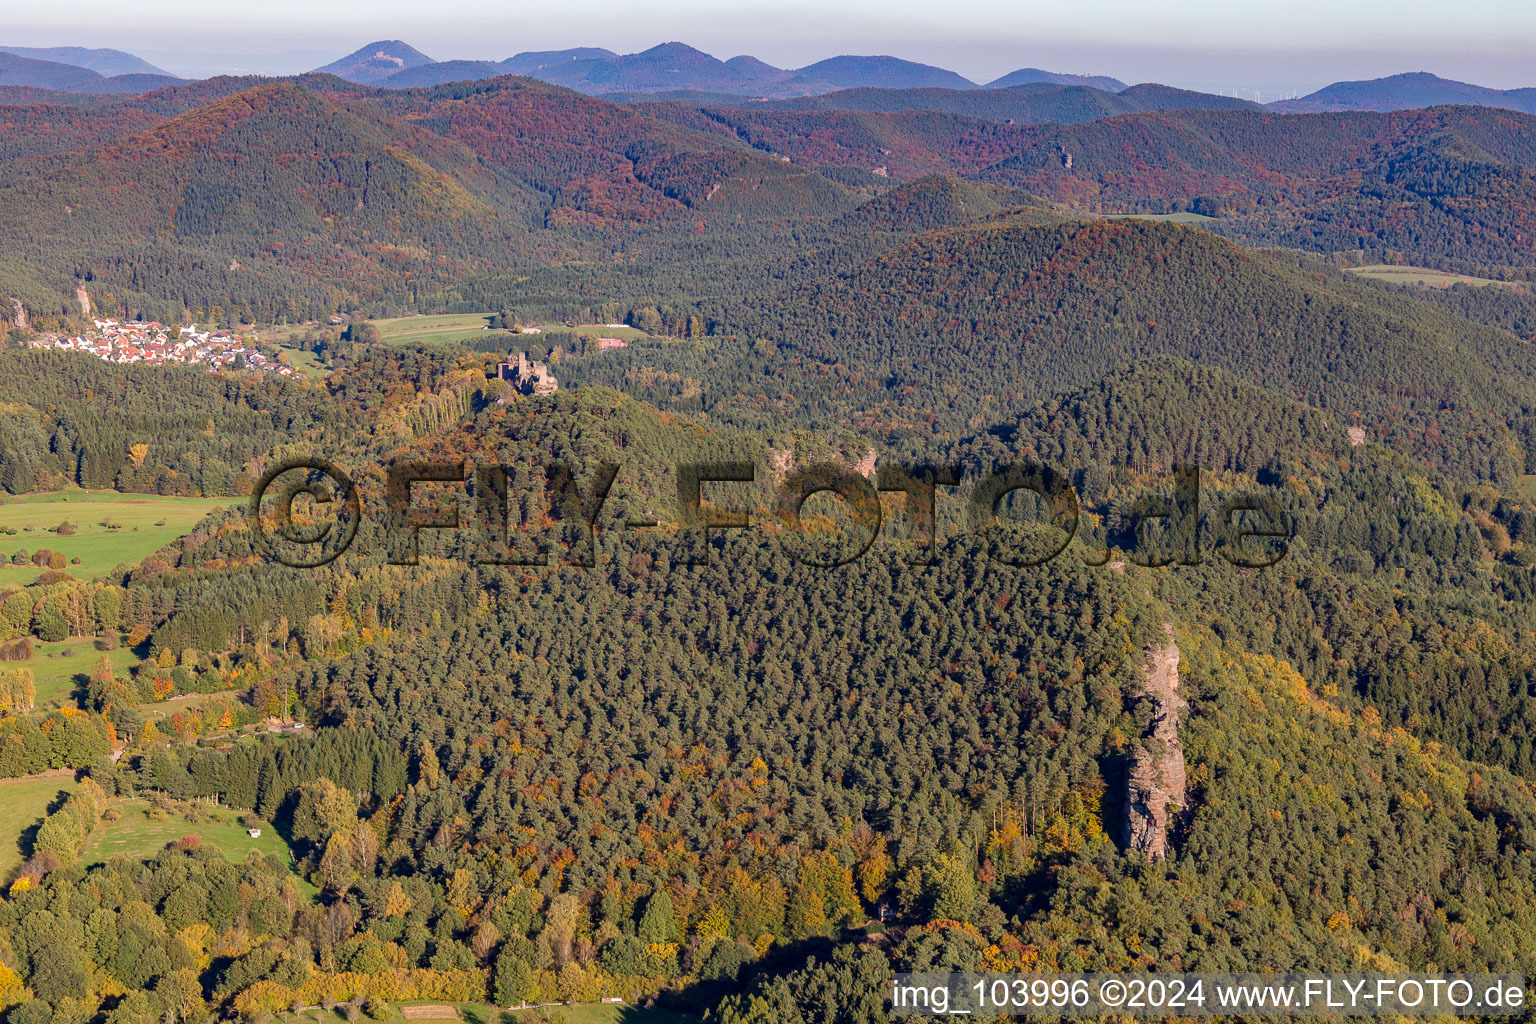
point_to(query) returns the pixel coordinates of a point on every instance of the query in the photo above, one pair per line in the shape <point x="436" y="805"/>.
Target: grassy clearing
<point x="465" y="328"/>
<point x="59" y="668"/>
<point x="23" y="803"/>
<point x="475" y="1013"/>
<point x="1419" y="276"/>
<point x="448" y="329"/>
<point x="582" y="1013"/>
<point x="140" y="831"/>
<point x="599" y="331"/>
<point x="316" y="1016"/>
<point x="58" y="675"/>
<point x="161" y="710"/>
<point x="305" y="362"/>
<point x="609" y="1013"/>
<point x="1183" y="217"/>
<point x="146" y="522"/>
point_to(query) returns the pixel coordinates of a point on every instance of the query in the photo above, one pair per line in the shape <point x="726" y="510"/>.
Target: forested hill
<point x="903" y="144"/>
<point x="1156" y="412"/>
<point x="1033" y="103"/>
<point x="238" y="203"/>
<point x="1453" y="185"/>
<point x="1450" y="186"/>
<point x="601" y="164"/>
<point x="940" y="201"/>
<point x="968" y="326"/>
<point x="75" y="420"/>
<point x="704" y="756"/>
<point x="532" y="782"/>
<point x="574" y="748"/>
<point x="332" y="197"/>
<point x="282" y="203"/>
<point x="1406" y="91"/>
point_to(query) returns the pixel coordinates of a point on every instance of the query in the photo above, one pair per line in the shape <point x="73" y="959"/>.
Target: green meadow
<point x="59" y="668"/>
<point x="599" y="331"/>
<point x="142" y="831"/>
<point x="610" y="1013"/>
<point x="1420" y="276"/>
<point x="305" y="362"/>
<point x="142" y="524"/>
<point x="465" y="328"/>
<point x="23" y="804"/>
<point x="447" y="329"/>
<point x="479" y="1013"/>
<point x="1182" y="217"/>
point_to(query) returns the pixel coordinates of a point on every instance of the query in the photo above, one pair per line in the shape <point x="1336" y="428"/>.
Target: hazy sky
<point x="1207" y="44"/>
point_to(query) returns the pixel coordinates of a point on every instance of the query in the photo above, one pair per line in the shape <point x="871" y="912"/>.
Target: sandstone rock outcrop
<point x="1156" y="787"/>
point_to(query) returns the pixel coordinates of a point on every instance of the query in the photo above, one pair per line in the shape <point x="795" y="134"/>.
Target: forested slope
<point x="75" y="420"/>
<point x="959" y="328"/>
<point x="337" y="197"/>
<point x="548" y="782"/>
<point x="1452" y="185"/>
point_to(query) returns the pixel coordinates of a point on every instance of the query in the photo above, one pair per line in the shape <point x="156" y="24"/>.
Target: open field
<point x="463" y="328"/>
<point x="599" y="331"/>
<point x="163" y="709"/>
<point x="302" y="360"/>
<point x="305" y="362"/>
<point x="610" y="1013"/>
<point x="1421" y="276"/>
<point x="474" y="1013"/>
<point x="55" y="672"/>
<point x="147" y="522"/>
<point x="447" y="329"/>
<point x="582" y="1013"/>
<point x="1183" y="217"/>
<point x="138" y="834"/>
<point x="23" y="803"/>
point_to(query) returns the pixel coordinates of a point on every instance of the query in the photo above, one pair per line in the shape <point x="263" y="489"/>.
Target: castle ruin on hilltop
<point x="528" y="376"/>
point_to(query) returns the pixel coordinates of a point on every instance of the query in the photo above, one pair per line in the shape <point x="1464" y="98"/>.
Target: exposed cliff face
<point x="18" y="314"/>
<point x="1156" y="784"/>
<point x="782" y="461"/>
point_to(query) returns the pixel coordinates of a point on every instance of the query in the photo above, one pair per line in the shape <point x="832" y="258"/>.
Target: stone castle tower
<point x="528" y="376"/>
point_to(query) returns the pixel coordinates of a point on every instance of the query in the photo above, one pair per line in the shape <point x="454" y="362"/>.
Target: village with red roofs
<point x="134" y="341"/>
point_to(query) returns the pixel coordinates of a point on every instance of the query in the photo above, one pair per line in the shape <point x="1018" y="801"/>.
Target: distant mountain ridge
<point x="104" y="62"/>
<point x="1034" y="103"/>
<point x="287" y="177"/>
<point x="532" y="60"/>
<point x="1028" y="76"/>
<point x="31" y="72"/>
<point x="673" y="70"/>
<point x="46" y="74"/>
<point x="881" y="72"/>
<point x="442" y="72"/>
<point x="1410" y="91"/>
<point x="373" y="63"/>
<point x="675" y="67"/>
<point x="667" y="66"/>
